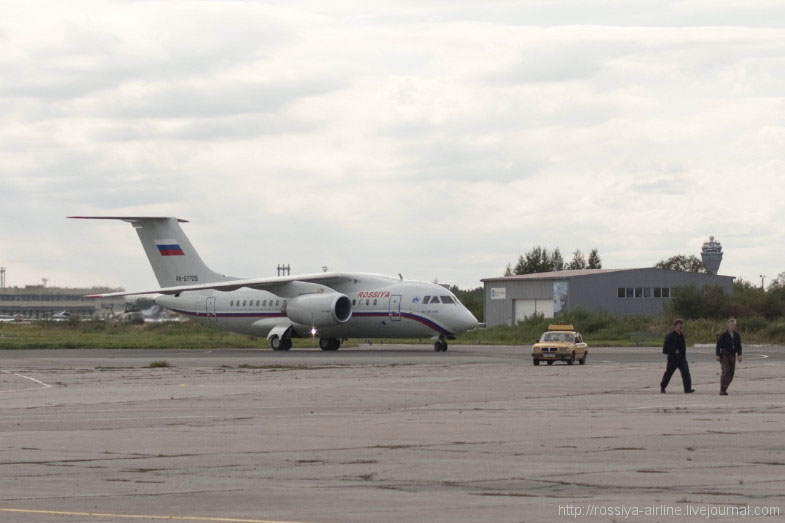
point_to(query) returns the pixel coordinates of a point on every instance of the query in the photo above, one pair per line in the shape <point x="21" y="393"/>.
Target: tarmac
<point x="387" y="433"/>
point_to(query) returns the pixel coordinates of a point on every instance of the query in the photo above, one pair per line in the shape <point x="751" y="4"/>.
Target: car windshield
<point x="558" y="336"/>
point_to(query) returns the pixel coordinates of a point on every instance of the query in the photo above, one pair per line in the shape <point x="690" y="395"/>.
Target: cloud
<point x="199" y="101"/>
<point x="438" y="139"/>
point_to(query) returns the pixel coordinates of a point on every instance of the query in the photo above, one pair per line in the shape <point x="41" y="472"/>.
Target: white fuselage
<point x="382" y="307"/>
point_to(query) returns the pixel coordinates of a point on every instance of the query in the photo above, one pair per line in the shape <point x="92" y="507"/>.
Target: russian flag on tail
<point x="169" y="248"/>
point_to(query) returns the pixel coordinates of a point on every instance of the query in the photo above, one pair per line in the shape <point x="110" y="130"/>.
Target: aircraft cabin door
<point x="211" y="315"/>
<point x="395" y="307"/>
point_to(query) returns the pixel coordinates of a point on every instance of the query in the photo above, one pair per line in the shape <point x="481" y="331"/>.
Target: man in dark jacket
<point x="676" y="349"/>
<point x="728" y="349"/>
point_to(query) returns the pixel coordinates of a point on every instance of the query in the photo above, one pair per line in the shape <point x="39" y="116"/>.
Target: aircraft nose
<point x="466" y="321"/>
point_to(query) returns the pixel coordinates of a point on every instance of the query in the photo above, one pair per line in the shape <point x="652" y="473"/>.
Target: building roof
<point x="563" y="275"/>
<point x="555" y="275"/>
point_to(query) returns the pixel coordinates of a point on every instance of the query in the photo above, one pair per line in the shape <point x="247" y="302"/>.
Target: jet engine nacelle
<point x="320" y="310"/>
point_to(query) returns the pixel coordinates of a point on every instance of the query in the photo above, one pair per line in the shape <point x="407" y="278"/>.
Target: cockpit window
<point x="426" y="300"/>
<point x="447" y="299"/>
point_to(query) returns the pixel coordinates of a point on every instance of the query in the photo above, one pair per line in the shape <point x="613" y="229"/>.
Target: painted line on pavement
<point x="43" y="385"/>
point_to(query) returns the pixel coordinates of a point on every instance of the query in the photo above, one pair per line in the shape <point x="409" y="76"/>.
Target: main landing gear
<point x="277" y="343"/>
<point x="440" y="345"/>
<point x="329" y="343"/>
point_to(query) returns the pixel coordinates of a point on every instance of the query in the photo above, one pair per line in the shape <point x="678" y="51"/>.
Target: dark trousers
<point x="677" y="362"/>
<point x="728" y="364"/>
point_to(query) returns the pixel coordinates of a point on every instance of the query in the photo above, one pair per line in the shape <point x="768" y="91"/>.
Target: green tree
<point x="557" y="261"/>
<point x="472" y="299"/>
<point x="578" y="261"/>
<point x="594" y="261"/>
<point x="691" y="303"/>
<point x="536" y="260"/>
<point x="682" y="263"/>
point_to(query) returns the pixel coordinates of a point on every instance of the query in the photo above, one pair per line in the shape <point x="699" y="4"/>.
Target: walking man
<point x="676" y="349"/>
<point x="728" y="349"/>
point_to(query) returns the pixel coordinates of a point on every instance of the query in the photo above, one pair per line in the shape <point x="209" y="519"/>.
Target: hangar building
<point x="39" y="302"/>
<point x="509" y="299"/>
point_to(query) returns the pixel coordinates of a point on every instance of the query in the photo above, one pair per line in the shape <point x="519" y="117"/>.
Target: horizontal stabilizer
<point x="127" y="218"/>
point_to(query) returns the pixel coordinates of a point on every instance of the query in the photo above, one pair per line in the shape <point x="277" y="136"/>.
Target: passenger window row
<point x="356" y="302"/>
<point x="259" y="303"/>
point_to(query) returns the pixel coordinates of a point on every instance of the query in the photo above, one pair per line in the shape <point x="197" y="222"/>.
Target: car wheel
<point x="535" y="361"/>
<point x="550" y="362"/>
<point x="571" y="360"/>
<point x="582" y="361"/>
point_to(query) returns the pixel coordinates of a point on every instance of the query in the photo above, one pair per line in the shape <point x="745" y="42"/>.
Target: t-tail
<point x="173" y="258"/>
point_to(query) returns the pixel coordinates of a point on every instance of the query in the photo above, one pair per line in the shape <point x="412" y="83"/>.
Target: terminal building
<point x="510" y="299"/>
<point x="40" y="302"/>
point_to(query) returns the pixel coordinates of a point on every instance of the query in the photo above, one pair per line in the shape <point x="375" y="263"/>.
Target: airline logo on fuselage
<point x="374" y="294"/>
<point x="169" y="248"/>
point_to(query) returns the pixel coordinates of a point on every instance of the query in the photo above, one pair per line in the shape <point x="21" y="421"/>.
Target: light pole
<point x="762" y="278"/>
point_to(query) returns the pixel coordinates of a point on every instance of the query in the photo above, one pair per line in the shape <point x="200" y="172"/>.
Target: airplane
<point x="332" y="305"/>
<point x="61" y="316"/>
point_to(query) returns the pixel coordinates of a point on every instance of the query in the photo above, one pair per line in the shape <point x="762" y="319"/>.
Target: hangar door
<point x="526" y="308"/>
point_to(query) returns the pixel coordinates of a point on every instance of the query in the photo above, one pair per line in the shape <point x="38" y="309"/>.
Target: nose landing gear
<point x="440" y="345"/>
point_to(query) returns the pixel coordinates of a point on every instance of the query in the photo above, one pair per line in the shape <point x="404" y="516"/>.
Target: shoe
<point x="689" y="391"/>
<point x="723" y="393"/>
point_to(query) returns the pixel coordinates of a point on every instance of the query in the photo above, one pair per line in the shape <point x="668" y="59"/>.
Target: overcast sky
<point x="437" y="139"/>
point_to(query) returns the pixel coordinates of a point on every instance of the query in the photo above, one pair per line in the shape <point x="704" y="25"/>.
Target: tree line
<point x="746" y="301"/>
<point x="683" y="263"/>
<point x="539" y="259"/>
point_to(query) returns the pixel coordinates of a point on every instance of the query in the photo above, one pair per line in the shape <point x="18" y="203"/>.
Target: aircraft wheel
<point x="440" y="346"/>
<point x="550" y="362"/>
<point x="329" y="343"/>
<point x="277" y="343"/>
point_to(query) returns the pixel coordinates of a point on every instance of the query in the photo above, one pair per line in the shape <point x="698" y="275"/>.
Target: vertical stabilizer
<point x="173" y="258"/>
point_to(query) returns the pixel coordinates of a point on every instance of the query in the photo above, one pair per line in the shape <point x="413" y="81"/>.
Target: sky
<point x="435" y="139"/>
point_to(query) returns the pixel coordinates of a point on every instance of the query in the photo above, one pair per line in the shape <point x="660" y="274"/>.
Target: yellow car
<point x="560" y="343"/>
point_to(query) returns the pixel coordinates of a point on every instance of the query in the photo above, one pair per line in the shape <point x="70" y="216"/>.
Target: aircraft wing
<point x="284" y="286"/>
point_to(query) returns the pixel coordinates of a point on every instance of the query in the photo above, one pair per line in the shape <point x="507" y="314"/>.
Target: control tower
<point x="711" y="254"/>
